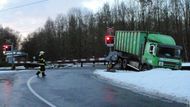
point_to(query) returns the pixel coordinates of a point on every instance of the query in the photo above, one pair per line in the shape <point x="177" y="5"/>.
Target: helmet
<point x="42" y="52"/>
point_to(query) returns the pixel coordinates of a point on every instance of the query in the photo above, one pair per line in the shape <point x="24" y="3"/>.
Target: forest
<point x="80" y="33"/>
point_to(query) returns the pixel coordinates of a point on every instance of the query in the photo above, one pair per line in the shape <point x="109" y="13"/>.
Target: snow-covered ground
<point x="9" y="68"/>
<point x="12" y="71"/>
<point x="170" y="84"/>
<point x="186" y="64"/>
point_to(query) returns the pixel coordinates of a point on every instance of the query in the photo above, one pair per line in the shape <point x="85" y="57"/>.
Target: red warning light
<point x="109" y="40"/>
<point x="5" y="46"/>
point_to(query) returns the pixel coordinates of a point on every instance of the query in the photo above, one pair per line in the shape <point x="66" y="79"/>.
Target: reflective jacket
<point x="42" y="60"/>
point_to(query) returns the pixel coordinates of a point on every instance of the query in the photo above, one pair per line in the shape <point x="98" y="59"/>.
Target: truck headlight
<point x="161" y="63"/>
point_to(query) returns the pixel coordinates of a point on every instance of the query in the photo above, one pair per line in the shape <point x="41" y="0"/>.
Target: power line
<point x="24" y="5"/>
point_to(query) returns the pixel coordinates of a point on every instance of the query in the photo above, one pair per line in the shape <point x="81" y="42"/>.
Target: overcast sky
<point x="28" y="18"/>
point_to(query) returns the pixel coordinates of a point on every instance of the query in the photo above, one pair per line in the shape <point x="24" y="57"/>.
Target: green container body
<point x="130" y="42"/>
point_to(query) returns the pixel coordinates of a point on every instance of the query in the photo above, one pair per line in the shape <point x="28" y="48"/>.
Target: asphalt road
<point x="70" y="87"/>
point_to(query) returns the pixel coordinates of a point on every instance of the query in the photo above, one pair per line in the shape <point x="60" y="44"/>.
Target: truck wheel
<point x="125" y="62"/>
<point x="146" y="67"/>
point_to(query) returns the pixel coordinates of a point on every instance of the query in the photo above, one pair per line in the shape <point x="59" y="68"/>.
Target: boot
<point x="43" y="74"/>
<point x="38" y="73"/>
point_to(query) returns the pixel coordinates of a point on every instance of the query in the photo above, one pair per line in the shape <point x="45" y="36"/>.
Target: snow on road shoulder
<point x="186" y="64"/>
<point x="11" y="71"/>
<point x="174" y="85"/>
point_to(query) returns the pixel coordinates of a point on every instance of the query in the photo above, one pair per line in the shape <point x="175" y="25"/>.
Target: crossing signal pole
<point x="109" y="41"/>
<point x="9" y="47"/>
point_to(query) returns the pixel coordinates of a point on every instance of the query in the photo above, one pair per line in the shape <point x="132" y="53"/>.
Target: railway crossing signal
<point x="109" y="40"/>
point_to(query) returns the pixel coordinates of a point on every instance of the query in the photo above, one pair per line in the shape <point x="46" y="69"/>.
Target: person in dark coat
<point x="42" y="64"/>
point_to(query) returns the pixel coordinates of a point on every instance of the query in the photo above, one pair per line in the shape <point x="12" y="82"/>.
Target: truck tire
<point x="146" y="67"/>
<point x="125" y="62"/>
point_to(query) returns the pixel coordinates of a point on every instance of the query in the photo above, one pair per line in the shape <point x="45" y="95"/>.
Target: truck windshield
<point x="169" y="52"/>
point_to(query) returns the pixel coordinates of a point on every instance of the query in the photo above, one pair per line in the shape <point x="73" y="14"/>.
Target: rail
<point x="31" y="64"/>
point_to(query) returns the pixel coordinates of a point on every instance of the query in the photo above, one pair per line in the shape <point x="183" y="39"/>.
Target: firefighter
<point x="42" y="64"/>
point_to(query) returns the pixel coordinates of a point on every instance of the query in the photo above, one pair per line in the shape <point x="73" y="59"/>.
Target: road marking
<point x="37" y="95"/>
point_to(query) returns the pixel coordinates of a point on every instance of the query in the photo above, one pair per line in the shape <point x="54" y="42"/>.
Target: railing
<point x="29" y="64"/>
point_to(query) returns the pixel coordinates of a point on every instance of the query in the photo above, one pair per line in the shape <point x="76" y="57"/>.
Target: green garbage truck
<point x="144" y="50"/>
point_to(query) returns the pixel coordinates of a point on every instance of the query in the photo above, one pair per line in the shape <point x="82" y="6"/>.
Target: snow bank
<point x="186" y="64"/>
<point x="12" y="71"/>
<point x="5" y="68"/>
<point x="8" y="68"/>
<point x="174" y="85"/>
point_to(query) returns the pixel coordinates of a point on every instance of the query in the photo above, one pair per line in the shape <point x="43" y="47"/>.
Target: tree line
<point x="80" y="33"/>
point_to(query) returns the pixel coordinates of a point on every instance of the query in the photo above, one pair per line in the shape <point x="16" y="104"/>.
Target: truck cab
<point x="161" y="51"/>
